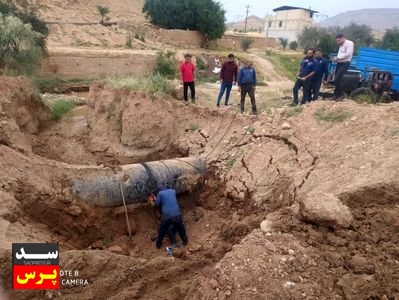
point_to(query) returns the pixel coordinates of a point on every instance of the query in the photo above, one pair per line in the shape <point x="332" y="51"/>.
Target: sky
<point x="236" y="9"/>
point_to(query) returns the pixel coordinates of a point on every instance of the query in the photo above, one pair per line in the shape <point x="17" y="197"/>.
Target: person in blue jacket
<point x="321" y="74"/>
<point x="304" y="75"/>
<point x="246" y="82"/>
<point x="166" y="201"/>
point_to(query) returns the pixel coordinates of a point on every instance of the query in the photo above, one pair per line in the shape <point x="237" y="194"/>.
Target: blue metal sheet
<point x="384" y="60"/>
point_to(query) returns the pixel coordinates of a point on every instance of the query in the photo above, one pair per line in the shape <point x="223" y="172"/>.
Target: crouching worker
<point x="166" y="201"/>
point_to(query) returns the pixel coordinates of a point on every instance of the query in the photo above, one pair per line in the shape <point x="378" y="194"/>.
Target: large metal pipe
<point x="140" y="180"/>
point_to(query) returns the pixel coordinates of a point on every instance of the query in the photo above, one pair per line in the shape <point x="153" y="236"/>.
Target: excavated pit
<point x="256" y="172"/>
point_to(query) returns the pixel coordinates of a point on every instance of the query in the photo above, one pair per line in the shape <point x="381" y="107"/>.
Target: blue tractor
<point x="374" y="72"/>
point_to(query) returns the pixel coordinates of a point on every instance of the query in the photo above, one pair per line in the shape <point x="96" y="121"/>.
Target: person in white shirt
<point x="343" y="60"/>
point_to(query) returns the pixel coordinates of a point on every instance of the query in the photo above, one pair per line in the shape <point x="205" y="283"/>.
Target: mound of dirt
<point x="20" y="112"/>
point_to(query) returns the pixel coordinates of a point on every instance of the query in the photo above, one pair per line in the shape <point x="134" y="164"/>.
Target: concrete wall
<point x="89" y="63"/>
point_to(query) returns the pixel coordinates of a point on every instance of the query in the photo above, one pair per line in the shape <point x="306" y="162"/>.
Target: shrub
<point x="293" y="45"/>
<point x="60" y="108"/>
<point x="283" y="42"/>
<point x="165" y="65"/>
<point x="19" y="46"/>
<point x="200" y="64"/>
<point x="129" y="41"/>
<point x="103" y="11"/>
<point x="246" y="43"/>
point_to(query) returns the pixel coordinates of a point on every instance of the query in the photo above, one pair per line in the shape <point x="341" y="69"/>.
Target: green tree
<point x="19" y="49"/>
<point x="310" y="37"/>
<point x="103" y="11"/>
<point x="283" y="42"/>
<point x="318" y="37"/>
<point x="390" y="39"/>
<point x="360" y="34"/>
<point x="206" y="16"/>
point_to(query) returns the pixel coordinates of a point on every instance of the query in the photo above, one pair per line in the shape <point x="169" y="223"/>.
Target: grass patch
<point x="154" y="83"/>
<point x="82" y="43"/>
<point x="251" y="130"/>
<point x="55" y="84"/>
<point x="285" y="65"/>
<point x="193" y="127"/>
<point x="214" y="78"/>
<point x="292" y="111"/>
<point x="365" y="99"/>
<point x="266" y="101"/>
<point x="61" y="108"/>
<point x="230" y="163"/>
<point x="395" y="131"/>
<point x="335" y="116"/>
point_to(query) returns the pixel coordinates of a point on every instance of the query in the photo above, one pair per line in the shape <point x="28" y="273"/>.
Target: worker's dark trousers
<point x="177" y="222"/>
<point x="190" y="85"/>
<point x="339" y="73"/>
<point x="315" y="85"/>
<point x="305" y="84"/>
<point x="250" y="90"/>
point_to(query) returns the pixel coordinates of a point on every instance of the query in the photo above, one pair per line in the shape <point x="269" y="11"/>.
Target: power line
<point x="246" y="18"/>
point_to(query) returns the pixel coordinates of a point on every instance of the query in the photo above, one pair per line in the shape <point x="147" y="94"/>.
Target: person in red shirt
<point x="187" y="76"/>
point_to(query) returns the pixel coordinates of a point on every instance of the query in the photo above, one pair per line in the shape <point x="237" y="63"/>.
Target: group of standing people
<point x="245" y="79"/>
<point x="313" y="70"/>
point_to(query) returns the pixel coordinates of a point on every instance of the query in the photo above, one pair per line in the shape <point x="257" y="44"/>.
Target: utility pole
<point x="246" y="18"/>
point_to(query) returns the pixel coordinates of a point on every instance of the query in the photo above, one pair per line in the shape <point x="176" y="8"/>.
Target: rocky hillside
<point x="254" y="23"/>
<point x="378" y="19"/>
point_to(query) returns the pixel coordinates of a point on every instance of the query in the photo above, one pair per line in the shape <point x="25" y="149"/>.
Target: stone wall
<point x="89" y="63"/>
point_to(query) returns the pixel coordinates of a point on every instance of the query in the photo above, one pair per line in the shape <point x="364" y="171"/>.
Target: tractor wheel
<point x="363" y="94"/>
<point x="385" y="98"/>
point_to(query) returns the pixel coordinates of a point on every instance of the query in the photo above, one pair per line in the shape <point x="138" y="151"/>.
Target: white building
<point x="288" y="22"/>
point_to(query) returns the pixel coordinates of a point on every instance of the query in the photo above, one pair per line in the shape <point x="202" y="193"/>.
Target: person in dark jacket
<point x="306" y="71"/>
<point x="228" y="77"/>
<point x="167" y="202"/>
<point x="246" y="82"/>
<point x="321" y="74"/>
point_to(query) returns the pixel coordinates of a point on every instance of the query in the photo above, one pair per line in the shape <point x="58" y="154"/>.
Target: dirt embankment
<point x="294" y="208"/>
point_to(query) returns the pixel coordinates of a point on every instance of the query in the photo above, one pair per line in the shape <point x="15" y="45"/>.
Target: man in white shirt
<point x="343" y="60"/>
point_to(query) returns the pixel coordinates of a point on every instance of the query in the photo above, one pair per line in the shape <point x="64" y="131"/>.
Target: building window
<point x="270" y="23"/>
<point x="280" y="24"/>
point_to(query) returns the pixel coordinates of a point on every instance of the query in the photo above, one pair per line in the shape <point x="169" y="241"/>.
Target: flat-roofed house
<point x="288" y="21"/>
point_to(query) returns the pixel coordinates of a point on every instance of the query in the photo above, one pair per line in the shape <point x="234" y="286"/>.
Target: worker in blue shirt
<point x="306" y="71"/>
<point x="167" y="202"/>
<point x="321" y="74"/>
<point x="246" y="82"/>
